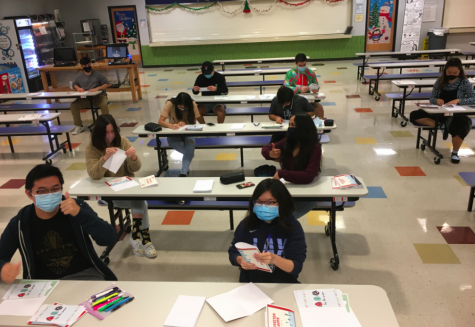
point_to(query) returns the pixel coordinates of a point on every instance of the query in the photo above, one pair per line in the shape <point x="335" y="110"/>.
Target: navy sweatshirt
<point x="217" y="80"/>
<point x="85" y="224"/>
<point x="289" y="245"/>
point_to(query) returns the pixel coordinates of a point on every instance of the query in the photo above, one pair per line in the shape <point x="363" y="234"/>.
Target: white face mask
<point x="182" y="109"/>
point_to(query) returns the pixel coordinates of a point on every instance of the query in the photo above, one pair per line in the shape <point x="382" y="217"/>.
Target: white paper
<point x="143" y="23"/>
<point x="359" y="8"/>
<point x="454" y="108"/>
<point x="79" y="93"/>
<point x="250" y="97"/>
<point x="406" y="82"/>
<point x="430" y="11"/>
<point x="86" y="27"/>
<point x="24" y="307"/>
<point x="43" y="30"/>
<point x="248" y="251"/>
<point x="121" y="183"/>
<point x="34" y="94"/>
<point x="203" y="186"/>
<point x="57" y="314"/>
<point x="185" y="311"/>
<point x="149" y="181"/>
<point x="115" y="161"/>
<point x="30" y="289"/>
<point x="237" y="127"/>
<point x="267" y="96"/>
<point x="31" y="117"/>
<point x="220" y="96"/>
<point x="204" y="89"/>
<point x="257" y="70"/>
<point x="240" y="302"/>
<point x="314" y="86"/>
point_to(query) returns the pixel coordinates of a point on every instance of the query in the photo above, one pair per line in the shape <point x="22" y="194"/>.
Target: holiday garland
<point x="245" y="5"/>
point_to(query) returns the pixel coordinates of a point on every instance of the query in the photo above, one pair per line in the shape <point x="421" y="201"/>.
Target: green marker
<point x="111" y="304"/>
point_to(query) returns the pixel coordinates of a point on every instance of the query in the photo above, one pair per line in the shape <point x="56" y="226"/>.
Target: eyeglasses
<point x="53" y="190"/>
<point x="267" y="203"/>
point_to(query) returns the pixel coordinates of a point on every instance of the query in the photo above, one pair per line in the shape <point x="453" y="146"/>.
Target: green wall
<point x="196" y="54"/>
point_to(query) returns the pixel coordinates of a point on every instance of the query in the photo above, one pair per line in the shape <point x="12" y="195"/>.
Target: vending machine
<point x="18" y="48"/>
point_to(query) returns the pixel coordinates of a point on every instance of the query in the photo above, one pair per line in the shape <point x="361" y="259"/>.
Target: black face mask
<point x="292" y="135"/>
<point x="452" y="77"/>
<point x="87" y="69"/>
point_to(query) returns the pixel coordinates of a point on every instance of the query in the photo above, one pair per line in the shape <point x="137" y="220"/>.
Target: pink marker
<point x="105" y="303"/>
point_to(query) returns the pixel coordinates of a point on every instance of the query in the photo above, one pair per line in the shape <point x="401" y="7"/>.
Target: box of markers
<point x="107" y="301"/>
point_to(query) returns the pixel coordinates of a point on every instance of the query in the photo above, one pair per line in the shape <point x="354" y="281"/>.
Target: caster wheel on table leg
<point x="371" y="92"/>
<point x="106" y="260"/>
<point x="423" y="147"/>
<point x="437" y="160"/>
<point x="128" y="229"/>
<point x="403" y="123"/>
<point x="327" y="230"/>
<point x="333" y="264"/>
<point x="377" y="98"/>
<point x="49" y="162"/>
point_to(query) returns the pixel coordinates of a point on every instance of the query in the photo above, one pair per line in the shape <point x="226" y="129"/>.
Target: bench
<point x="468" y="54"/>
<point x="256" y="83"/>
<point x="401" y="97"/>
<point x="469" y="178"/>
<point x="55" y="131"/>
<point x="231" y="206"/>
<point x="360" y="66"/>
<point x="245" y="111"/>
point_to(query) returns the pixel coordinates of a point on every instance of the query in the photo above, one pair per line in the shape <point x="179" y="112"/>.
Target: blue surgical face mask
<point x="209" y="76"/>
<point x="266" y="213"/>
<point x="301" y="69"/>
<point x="48" y="202"/>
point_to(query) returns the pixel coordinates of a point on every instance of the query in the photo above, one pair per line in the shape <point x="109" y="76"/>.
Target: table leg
<point x="136" y="73"/>
<point x="104" y="256"/>
<point x="242" y="157"/>
<point x="335" y="261"/>
<point x="470" y="199"/>
<point x="11" y="144"/>
<point x="231" y="220"/>
<point x="132" y="84"/>
<point x="44" y="81"/>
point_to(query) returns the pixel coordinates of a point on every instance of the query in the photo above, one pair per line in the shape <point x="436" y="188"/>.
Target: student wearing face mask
<point x="88" y="80"/>
<point x="451" y="88"/>
<point x="53" y="234"/>
<point x="271" y="227"/>
<point x="285" y="105"/>
<point x="299" y="155"/>
<point x="215" y="84"/>
<point x="105" y="140"/>
<point x="299" y="79"/>
<point x="181" y="111"/>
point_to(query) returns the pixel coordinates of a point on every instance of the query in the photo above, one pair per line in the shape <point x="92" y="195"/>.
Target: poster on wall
<point x="411" y="31"/>
<point x="380" y="25"/>
<point x="124" y="29"/>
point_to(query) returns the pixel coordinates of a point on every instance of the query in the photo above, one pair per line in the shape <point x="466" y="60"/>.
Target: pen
<point x="111" y="304"/>
<point x="100" y="305"/>
<point x="117" y="304"/>
<point x="105" y="299"/>
<point x="120" y="305"/>
<point x="95" y="296"/>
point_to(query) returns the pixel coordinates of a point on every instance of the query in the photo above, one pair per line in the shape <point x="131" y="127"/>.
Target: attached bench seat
<point x="412" y="96"/>
<point x="255" y="83"/>
<point x="468" y="54"/>
<point x="245" y="111"/>
<point x="410" y="76"/>
<point x="231" y="206"/>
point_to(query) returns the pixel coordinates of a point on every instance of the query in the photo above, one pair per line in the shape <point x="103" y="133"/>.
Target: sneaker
<point x="137" y="247"/>
<point x="102" y="203"/>
<point x="78" y="130"/>
<point x="455" y="158"/>
<point x="149" y="250"/>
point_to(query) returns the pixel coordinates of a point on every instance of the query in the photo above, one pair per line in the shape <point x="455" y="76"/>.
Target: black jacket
<point x="217" y="80"/>
<point x="17" y="236"/>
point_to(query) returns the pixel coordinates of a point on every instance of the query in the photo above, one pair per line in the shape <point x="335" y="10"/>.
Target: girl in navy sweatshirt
<point x="270" y="226"/>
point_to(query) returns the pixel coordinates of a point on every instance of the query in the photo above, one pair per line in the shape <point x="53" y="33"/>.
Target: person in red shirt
<point x="299" y="155"/>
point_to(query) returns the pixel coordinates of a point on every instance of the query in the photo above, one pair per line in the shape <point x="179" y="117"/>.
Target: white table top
<point x="443" y="110"/>
<point x="246" y="98"/>
<point x="230" y="61"/>
<point x="154" y="301"/>
<point x="416" y="64"/>
<point x="472" y="43"/>
<point x="224" y="129"/>
<point x="46" y="95"/>
<point x="423" y="82"/>
<point x="254" y="72"/>
<point x="395" y="53"/>
<point x="172" y="187"/>
<point x="14" y="118"/>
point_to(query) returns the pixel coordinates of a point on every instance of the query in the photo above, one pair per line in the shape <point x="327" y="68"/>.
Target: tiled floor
<point x="412" y="236"/>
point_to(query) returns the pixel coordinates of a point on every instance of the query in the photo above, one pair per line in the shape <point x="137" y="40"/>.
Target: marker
<point x="111" y="304"/>
<point x="120" y="305"/>
<point x="95" y="296"/>
<point x="105" y="299"/>
<point x="105" y="295"/>
<point x="100" y="305"/>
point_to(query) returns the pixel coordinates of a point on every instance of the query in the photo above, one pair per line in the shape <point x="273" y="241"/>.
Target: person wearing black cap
<point x="216" y="85"/>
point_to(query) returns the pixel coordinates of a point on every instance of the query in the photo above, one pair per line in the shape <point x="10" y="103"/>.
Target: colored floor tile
<point x="197" y="72"/>
<point x="360" y="110"/>
<point x="128" y="124"/>
<point x="365" y="140"/>
<point x="463" y="146"/>
<point x="167" y="89"/>
<point x="177" y="83"/>
<point x="410" y="171"/>
<point x="336" y="91"/>
<point x="161" y="97"/>
<point x="13" y="184"/>
<point x="436" y="254"/>
<point x="83" y="110"/>
<point x="341" y="68"/>
<point x="457" y="234"/>
<point x="247" y="65"/>
<point x="163" y="79"/>
<point x="14" y="141"/>
<point x="114" y="106"/>
<point x="226" y="156"/>
<point x="73" y="146"/>
<point x="354" y="96"/>
<point x="132" y="138"/>
<point x="192" y="69"/>
<point x="317" y="218"/>
<point x="335" y="73"/>
<point x="77" y="166"/>
<point x="144" y="85"/>
<point x="271" y="78"/>
<point x="460" y="180"/>
<point x="189" y="89"/>
<point x="328" y="82"/>
<point x="401" y="134"/>
<point x="141" y="72"/>
<point x="178" y="218"/>
<point x="168" y="70"/>
<point x="375" y="192"/>
<point x="133" y="109"/>
<point x="327" y="104"/>
<point x="152" y="75"/>
<point x="318" y="76"/>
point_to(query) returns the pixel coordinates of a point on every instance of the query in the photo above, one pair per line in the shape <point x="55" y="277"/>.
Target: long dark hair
<point x="306" y="139"/>
<point x="98" y="135"/>
<point x="283" y="197"/>
<point x="454" y="62"/>
<point x="184" y="99"/>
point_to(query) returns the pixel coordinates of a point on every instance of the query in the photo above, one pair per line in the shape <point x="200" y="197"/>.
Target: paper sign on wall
<point x="143" y="23"/>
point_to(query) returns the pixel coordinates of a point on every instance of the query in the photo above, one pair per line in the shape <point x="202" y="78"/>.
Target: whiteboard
<point x="459" y="14"/>
<point x="281" y="21"/>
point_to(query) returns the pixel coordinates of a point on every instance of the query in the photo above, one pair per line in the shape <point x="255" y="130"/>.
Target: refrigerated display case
<point x="47" y="38"/>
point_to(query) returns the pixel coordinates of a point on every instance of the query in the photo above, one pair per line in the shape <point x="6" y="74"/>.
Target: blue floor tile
<point x="152" y="75"/>
<point x="163" y="79"/>
<point x="132" y="138"/>
<point x="189" y="89"/>
<point x="375" y="192"/>
<point x="167" y="89"/>
<point x="326" y="104"/>
<point x="133" y="109"/>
